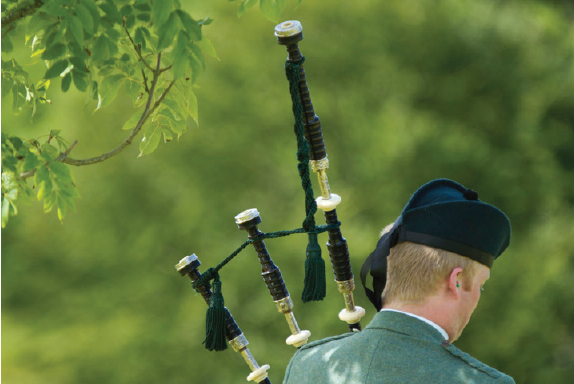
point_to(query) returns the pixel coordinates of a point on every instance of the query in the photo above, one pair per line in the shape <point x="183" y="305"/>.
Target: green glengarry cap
<point x="442" y="214"/>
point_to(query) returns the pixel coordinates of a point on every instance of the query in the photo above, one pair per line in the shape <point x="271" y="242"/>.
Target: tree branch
<point x="148" y="110"/>
<point x="19" y="13"/>
<point x="146" y="113"/>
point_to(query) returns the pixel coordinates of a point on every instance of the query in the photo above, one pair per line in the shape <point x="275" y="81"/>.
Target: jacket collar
<point x="405" y="324"/>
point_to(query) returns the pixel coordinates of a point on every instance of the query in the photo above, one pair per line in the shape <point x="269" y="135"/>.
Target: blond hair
<point x="416" y="271"/>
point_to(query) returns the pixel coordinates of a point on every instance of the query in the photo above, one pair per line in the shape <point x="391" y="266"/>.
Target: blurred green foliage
<point x="478" y="91"/>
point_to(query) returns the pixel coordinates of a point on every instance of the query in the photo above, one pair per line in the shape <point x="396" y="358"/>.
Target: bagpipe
<point x="311" y="154"/>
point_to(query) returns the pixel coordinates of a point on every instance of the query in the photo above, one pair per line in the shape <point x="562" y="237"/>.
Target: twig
<point x="62" y="156"/>
<point x="138" y="51"/>
<point x="145" y="82"/>
<point x="165" y="69"/>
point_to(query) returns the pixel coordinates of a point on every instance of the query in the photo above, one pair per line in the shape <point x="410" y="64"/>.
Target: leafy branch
<point x="21" y="12"/>
<point x="144" y="116"/>
<point x="101" y="47"/>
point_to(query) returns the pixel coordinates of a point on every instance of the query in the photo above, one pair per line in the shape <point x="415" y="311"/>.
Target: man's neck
<point x="432" y="310"/>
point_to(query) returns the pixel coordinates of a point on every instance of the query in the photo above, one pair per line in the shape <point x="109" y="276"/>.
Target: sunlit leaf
<point x="109" y="89"/>
<point x="160" y="12"/>
<point x="150" y="140"/>
<point x="208" y="47"/>
<point x="191" y="26"/>
<point x="131" y="123"/>
<point x="80" y="80"/>
<point x="167" y="32"/>
<point x="56" y="69"/>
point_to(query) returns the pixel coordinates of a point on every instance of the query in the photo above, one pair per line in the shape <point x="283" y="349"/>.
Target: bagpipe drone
<point x="311" y="153"/>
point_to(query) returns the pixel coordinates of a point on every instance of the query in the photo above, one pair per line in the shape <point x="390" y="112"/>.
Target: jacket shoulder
<point x="325" y="341"/>
<point x="495" y="376"/>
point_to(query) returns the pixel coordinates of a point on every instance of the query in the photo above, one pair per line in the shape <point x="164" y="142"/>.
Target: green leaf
<point x="126" y="10"/>
<point x="37" y="22"/>
<point x="191" y="26"/>
<point x="49" y="202"/>
<point x="151" y="139"/>
<point x="56" y="69"/>
<point x="167" y="136"/>
<point x="62" y="172"/>
<point x="75" y="25"/>
<point x="160" y="12"/>
<point x="7" y="83"/>
<point x="54" y="51"/>
<point x="167" y="32"/>
<point x="41" y="177"/>
<point x="42" y="85"/>
<point x="133" y="88"/>
<point x="130" y="21"/>
<point x="196" y="50"/>
<point x="61" y="208"/>
<point x="45" y="189"/>
<point x="50" y="150"/>
<point x="145" y="17"/>
<point x="109" y="89"/>
<point x="178" y="111"/>
<point x="195" y="67"/>
<point x="179" y="56"/>
<point x="66" y="82"/>
<point x="78" y="63"/>
<point x="94" y="11"/>
<point x="270" y="9"/>
<point x="178" y="127"/>
<point x="206" y="21"/>
<point x="139" y="37"/>
<point x="208" y="47"/>
<point x="100" y="50"/>
<point x="112" y="47"/>
<point x="113" y="34"/>
<point x="85" y="17"/>
<point x="52" y="37"/>
<point x="80" y="80"/>
<point x="7" y="44"/>
<point x="144" y="7"/>
<point x="5" y="211"/>
<point x="18" y="97"/>
<point x="131" y="123"/>
<point x="31" y="162"/>
<point x="111" y="11"/>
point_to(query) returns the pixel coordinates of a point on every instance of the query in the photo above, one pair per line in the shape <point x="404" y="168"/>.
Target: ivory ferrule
<point x="246" y="215"/>
<point x="258" y="373"/>
<point x="288" y="28"/>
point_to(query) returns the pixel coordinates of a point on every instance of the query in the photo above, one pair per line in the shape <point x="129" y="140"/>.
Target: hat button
<point x="469" y="194"/>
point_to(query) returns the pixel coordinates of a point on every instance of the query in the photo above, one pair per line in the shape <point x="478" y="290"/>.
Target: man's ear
<point x="455" y="281"/>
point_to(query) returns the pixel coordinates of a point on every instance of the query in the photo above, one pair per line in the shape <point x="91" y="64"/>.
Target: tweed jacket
<point x="393" y="348"/>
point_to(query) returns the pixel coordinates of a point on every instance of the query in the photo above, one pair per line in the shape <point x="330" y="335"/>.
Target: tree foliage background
<point x="478" y="91"/>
